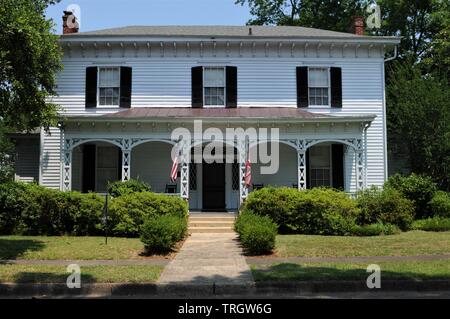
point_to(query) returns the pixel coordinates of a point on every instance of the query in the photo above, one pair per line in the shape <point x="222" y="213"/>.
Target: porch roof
<point x="213" y="114"/>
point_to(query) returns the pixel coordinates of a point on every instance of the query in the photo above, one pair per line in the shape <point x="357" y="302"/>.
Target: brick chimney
<point x="70" y="23"/>
<point x="358" y="25"/>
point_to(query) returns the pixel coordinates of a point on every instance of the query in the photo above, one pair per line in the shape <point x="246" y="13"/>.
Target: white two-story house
<point x="123" y="91"/>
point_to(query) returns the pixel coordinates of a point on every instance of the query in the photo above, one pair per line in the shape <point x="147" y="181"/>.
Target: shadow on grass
<point x="298" y="272"/>
<point x="47" y="277"/>
<point x="11" y="248"/>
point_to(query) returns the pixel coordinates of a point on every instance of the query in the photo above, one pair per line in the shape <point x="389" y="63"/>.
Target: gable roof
<point x="216" y="31"/>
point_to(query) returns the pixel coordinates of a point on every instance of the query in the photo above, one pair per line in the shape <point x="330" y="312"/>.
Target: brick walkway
<point x="208" y="258"/>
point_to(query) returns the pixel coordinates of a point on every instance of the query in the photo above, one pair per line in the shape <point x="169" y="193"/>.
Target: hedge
<point x="432" y="224"/>
<point x="257" y="233"/>
<point x="387" y="206"/>
<point x="319" y="211"/>
<point x="161" y="233"/>
<point x="127" y="212"/>
<point x="120" y="188"/>
<point x="440" y="204"/>
<point x="30" y="209"/>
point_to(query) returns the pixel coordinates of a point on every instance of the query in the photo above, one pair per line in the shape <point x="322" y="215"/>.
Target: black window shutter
<point x="91" y="87"/>
<point x="302" y="86"/>
<point x="336" y="87"/>
<point x="88" y="183"/>
<point x="231" y="91"/>
<point x="308" y="175"/>
<point x="125" y="86"/>
<point x="197" y="86"/>
<point x="337" y="158"/>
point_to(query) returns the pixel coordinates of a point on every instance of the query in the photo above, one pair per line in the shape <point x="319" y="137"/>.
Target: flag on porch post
<point x="248" y="170"/>
<point x="174" y="171"/>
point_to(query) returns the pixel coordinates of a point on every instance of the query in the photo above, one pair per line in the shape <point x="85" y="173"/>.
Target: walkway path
<point x="213" y="258"/>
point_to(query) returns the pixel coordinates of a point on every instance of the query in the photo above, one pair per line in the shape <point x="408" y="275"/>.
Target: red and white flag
<point x="248" y="171"/>
<point x="174" y="171"/>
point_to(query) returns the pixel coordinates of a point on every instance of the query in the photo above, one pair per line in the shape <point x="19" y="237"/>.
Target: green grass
<point x="89" y="274"/>
<point x="68" y="248"/>
<point x="420" y="270"/>
<point x="404" y="244"/>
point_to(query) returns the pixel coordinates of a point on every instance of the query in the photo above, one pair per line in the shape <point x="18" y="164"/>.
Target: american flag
<point x="248" y="171"/>
<point x="174" y="171"/>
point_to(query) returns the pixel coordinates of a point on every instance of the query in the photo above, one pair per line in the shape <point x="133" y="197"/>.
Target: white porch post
<point x="301" y="164"/>
<point x="359" y="150"/>
<point x="67" y="166"/>
<point x="242" y="149"/>
<point x="126" y="160"/>
<point x="184" y="164"/>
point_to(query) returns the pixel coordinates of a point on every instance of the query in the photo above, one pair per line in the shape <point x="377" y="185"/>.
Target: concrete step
<point x="212" y="219"/>
<point x="207" y="223"/>
<point x="211" y="230"/>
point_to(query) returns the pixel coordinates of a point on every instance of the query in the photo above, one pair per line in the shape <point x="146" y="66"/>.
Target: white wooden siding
<point x="262" y="82"/>
<point x="51" y="158"/>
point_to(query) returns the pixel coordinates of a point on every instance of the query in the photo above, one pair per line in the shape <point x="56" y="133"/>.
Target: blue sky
<point x="101" y="14"/>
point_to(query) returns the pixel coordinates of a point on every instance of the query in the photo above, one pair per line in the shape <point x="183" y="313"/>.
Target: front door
<point x="214" y="186"/>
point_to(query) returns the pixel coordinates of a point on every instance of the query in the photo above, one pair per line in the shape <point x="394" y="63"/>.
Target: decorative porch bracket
<point x="302" y="146"/>
<point x="242" y="150"/>
<point x="67" y="165"/>
<point x="184" y="168"/>
<point x="359" y="150"/>
<point x="126" y="159"/>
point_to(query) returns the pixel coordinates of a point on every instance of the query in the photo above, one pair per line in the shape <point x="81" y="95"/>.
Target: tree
<point x="418" y="111"/>
<point x="30" y="57"/>
<point x="323" y="14"/>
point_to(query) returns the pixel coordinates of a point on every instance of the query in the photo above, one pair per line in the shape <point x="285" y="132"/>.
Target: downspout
<point x="392" y="57"/>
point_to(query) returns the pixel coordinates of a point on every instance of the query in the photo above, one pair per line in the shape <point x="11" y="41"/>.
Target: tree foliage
<point x="418" y="110"/>
<point x="29" y="59"/>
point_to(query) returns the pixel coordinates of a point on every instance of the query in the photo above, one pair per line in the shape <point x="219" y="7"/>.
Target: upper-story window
<point x="319" y="86"/>
<point x="214" y="86"/>
<point x="109" y="86"/>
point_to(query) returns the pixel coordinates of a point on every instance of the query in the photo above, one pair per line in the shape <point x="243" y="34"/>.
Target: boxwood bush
<point x="127" y="212"/>
<point x="387" y="206"/>
<point x="432" y="224"/>
<point x="30" y="209"/>
<point x="320" y="211"/>
<point x="375" y="229"/>
<point x="257" y="233"/>
<point x="120" y="188"/>
<point x="440" y="204"/>
<point x="160" y="234"/>
<point x="417" y="188"/>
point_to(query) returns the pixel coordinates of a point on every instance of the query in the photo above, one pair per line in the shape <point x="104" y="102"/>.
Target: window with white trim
<point x="320" y="165"/>
<point x="214" y="86"/>
<point x="319" y="86"/>
<point x="109" y="86"/>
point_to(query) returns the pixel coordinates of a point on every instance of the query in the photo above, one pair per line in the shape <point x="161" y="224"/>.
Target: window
<point x="214" y="86"/>
<point x="109" y="86"/>
<point x="320" y="165"/>
<point x="318" y="82"/>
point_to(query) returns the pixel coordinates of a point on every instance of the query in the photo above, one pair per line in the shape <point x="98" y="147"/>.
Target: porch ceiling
<point x="247" y="114"/>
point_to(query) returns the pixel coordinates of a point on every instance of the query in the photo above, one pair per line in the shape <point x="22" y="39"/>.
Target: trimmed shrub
<point x="375" y="229"/>
<point x="387" y="206"/>
<point x="417" y="188"/>
<point x="432" y="224"/>
<point x="127" y="212"/>
<point x="440" y="204"/>
<point x="120" y="188"/>
<point x="319" y="211"/>
<point x="30" y="209"/>
<point x="160" y="233"/>
<point x="257" y="233"/>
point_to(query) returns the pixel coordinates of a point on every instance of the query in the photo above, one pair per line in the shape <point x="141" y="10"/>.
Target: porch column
<point x="184" y="167"/>
<point x="67" y="166"/>
<point x="242" y="149"/>
<point x="301" y="164"/>
<point x="359" y="150"/>
<point x="126" y="160"/>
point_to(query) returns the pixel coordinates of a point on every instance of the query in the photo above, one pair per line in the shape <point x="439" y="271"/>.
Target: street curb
<point x="216" y="289"/>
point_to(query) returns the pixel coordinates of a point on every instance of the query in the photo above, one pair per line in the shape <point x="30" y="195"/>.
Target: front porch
<point x="321" y="151"/>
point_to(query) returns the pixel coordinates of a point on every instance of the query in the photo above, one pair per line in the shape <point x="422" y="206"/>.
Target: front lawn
<point x="404" y="244"/>
<point x="416" y="270"/>
<point x="69" y="248"/>
<point x="89" y="274"/>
